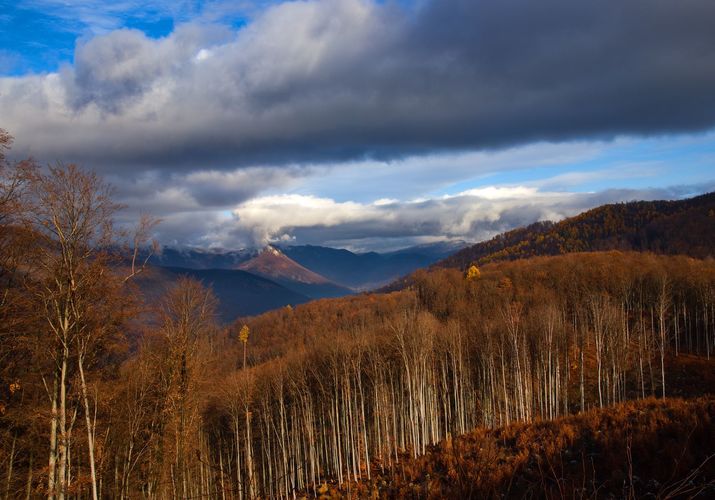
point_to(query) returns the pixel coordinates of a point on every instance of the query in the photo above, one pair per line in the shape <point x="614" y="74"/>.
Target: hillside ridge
<point x="665" y="226"/>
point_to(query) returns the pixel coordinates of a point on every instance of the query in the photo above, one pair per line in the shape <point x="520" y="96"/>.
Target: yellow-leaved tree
<point x="243" y="334"/>
<point x="243" y="337"/>
<point x="473" y="272"/>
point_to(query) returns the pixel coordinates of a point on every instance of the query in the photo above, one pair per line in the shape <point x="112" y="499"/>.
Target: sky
<point x="363" y="124"/>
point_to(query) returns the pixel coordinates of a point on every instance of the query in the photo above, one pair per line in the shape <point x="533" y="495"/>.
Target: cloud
<point x="370" y="124"/>
<point x="415" y="176"/>
<point x="336" y="80"/>
<point x="272" y="217"/>
<point x="472" y="215"/>
<point x="199" y="192"/>
<point x="215" y="188"/>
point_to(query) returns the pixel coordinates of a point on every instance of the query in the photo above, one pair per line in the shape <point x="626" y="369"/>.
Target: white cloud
<point x="385" y="201"/>
<point x="473" y="215"/>
<point x="503" y="193"/>
<point x="269" y="218"/>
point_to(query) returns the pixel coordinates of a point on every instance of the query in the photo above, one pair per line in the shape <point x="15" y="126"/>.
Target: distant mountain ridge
<point x="250" y="281"/>
<point x="669" y="227"/>
<point x="370" y="270"/>
<point x="342" y="268"/>
<point x="274" y="263"/>
<point x="191" y="258"/>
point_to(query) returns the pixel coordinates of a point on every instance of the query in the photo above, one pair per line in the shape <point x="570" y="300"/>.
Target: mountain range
<point x="367" y="271"/>
<point x="252" y="280"/>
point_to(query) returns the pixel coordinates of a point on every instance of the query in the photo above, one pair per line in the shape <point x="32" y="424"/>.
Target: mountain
<point x="335" y="272"/>
<point x="274" y="265"/>
<point x="365" y="271"/>
<point x="338" y="265"/>
<point x="201" y="259"/>
<point x="437" y="251"/>
<point x="669" y="227"/>
<point x="239" y="293"/>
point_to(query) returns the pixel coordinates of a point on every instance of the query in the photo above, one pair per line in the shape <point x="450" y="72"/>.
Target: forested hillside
<point x="685" y="227"/>
<point x="644" y="449"/>
<point x="346" y="387"/>
<point x="106" y="392"/>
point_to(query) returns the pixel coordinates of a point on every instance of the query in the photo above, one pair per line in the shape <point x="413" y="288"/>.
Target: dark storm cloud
<point x="342" y="79"/>
<point x="199" y="193"/>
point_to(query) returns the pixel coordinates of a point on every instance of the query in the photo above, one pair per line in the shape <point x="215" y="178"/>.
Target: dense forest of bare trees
<point x="102" y="395"/>
<point x="526" y="341"/>
<point x="646" y="448"/>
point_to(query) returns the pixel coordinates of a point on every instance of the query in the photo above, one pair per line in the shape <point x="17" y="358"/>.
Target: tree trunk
<point x="52" y="466"/>
<point x="28" y="488"/>
<point x="11" y="461"/>
<point x="63" y="425"/>
<point x="90" y="430"/>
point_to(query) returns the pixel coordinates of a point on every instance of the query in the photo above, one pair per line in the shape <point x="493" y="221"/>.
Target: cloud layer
<point x="331" y="80"/>
<point x="472" y="215"/>
<point x="292" y="126"/>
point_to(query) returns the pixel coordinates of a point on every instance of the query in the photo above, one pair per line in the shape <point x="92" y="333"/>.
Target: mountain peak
<point x="270" y="249"/>
<point x="272" y="263"/>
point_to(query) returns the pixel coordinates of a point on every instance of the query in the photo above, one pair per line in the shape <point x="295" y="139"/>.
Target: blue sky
<point x="40" y="35"/>
<point x="363" y="123"/>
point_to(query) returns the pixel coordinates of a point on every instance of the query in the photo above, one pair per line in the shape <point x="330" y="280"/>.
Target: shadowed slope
<point x="239" y="293"/>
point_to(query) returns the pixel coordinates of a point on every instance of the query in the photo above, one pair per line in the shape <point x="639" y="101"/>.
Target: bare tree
<point x="5" y="143"/>
<point x="139" y="236"/>
<point x="71" y="215"/>
<point x="663" y="303"/>
<point x="188" y="319"/>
